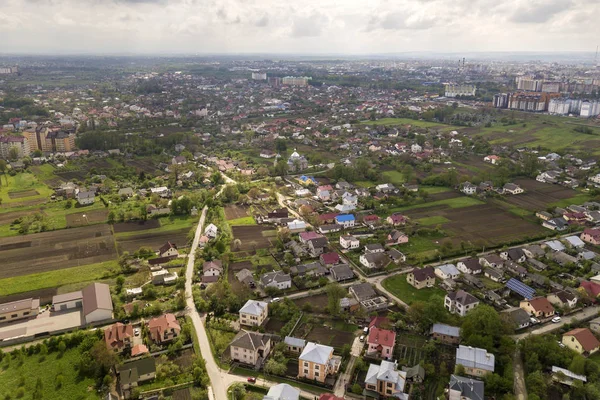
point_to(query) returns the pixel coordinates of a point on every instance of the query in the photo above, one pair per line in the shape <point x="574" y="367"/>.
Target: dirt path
<point x="519" y="384"/>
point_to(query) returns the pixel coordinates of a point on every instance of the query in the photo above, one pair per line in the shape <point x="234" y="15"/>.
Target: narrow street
<point x="589" y="312"/>
<point x="340" y="386"/>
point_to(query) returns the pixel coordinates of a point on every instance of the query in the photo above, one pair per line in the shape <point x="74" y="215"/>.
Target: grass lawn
<point x="403" y="121"/>
<point x="578" y="199"/>
<point x="242" y="221"/>
<point x="394" y="177"/>
<point x="22" y="182"/>
<point x="420" y="247"/>
<point x="73" y="386"/>
<point x="398" y="286"/>
<point x="50" y="279"/>
<point x="434" y="189"/>
<point x="433" y="220"/>
<point x="44" y="172"/>
<point x="456" y="202"/>
<point x="364" y="184"/>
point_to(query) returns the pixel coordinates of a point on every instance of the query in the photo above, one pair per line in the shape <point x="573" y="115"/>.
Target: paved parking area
<point x="44" y="322"/>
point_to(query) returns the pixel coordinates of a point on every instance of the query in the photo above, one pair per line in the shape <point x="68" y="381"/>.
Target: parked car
<point x="276" y="299"/>
<point x="136" y="331"/>
<point x="251" y="379"/>
<point x="362" y="338"/>
<point x="534" y="320"/>
<point x="366" y="330"/>
<point x="556" y="320"/>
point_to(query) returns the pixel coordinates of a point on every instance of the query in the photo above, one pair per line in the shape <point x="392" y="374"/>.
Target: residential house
<point x="304" y="237"/>
<point x="396" y="256"/>
<point x="447" y="271"/>
<point x="556" y="224"/>
<point x="380" y="343"/>
<point x="469" y="266"/>
<point x="567" y="377"/>
<point x="372" y="221"/>
<point x="211" y="231"/>
<point x="250" y="348"/>
<point x="515" y="255"/>
<point x="468" y="188"/>
<point x="385" y="381"/>
<point x="494" y="274"/>
<point x="476" y="361"/>
<point x="461" y="388"/>
<point x="168" y="250"/>
<point x="492" y="159"/>
<point x="574" y="242"/>
<point x="329" y="259"/>
<point x="533" y="251"/>
<point x="345" y="220"/>
<point x="563" y="299"/>
<point x="446" y="333"/>
<point x="316" y="246"/>
<point x="254" y="313"/>
<point x="296" y="226"/>
<point x="341" y="272"/>
<point x="591" y="236"/>
<point x="491" y="260"/>
<point x="511" y="188"/>
<point x="310" y="269"/>
<point x="396" y="219"/>
<point x="421" y="277"/>
<point x="582" y="341"/>
<point x="134" y="372"/>
<point x="396" y="237"/>
<point x="362" y="291"/>
<point x="460" y="302"/>
<point x="294" y="345"/>
<point x="520" y="317"/>
<point x="538" y="307"/>
<point x="245" y="276"/>
<point x="374" y="248"/>
<point x="564" y="259"/>
<point x="317" y="362"/>
<point x="164" y="329"/>
<point x="414" y="374"/>
<point x="276" y="279"/>
<point x="86" y="197"/>
<point x="327" y="218"/>
<point x="118" y="337"/>
<point x="349" y="242"/>
<point x="330" y="228"/>
<point x="374" y="260"/>
<point x="324" y="192"/>
<point x="282" y="391"/>
<point x="555" y="245"/>
<point x="212" y="268"/>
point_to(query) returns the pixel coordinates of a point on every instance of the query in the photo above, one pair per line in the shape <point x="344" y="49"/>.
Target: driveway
<point x="45" y="322"/>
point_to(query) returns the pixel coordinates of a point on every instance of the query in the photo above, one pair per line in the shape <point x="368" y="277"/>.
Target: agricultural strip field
<point x="233" y="211"/>
<point x="538" y="196"/>
<point x="22" y="188"/>
<point x="404" y="121"/>
<point x="253" y="236"/>
<point x="83" y="218"/>
<point x="48" y="251"/>
<point x="153" y="240"/>
<point x="484" y="222"/>
<point x="136" y="226"/>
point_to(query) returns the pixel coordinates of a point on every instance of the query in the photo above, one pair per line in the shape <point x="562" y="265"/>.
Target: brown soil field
<point x="240" y="265"/>
<point x="318" y="302"/>
<point x="234" y="211"/>
<point x="47" y="251"/>
<point x="143" y="165"/>
<point x="8" y="217"/>
<point x="253" y="235"/>
<point x="72" y="175"/>
<point x="331" y="337"/>
<point x="91" y="217"/>
<point x="487" y="222"/>
<point x="274" y="325"/>
<point x="135" y="226"/>
<point x="539" y="195"/>
<point x="24" y="193"/>
<point x="27" y="203"/>
<point x="152" y="240"/>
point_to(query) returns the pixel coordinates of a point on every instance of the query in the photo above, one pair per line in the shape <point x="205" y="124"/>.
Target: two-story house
<point x="118" y="337"/>
<point x="477" y="362"/>
<point x="349" y="242"/>
<point x="563" y="299"/>
<point x="374" y="260"/>
<point x="421" y="277"/>
<point x="317" y="362"/>
<point x="380" y="343"/>
<point x="254" y="313"/>
<point x="469" y="266"/>
<point x="250" y="348"/>
<point x="164" y="329"/>
<point x="384" y="380"/>
<point x="460" y="302"/>
<point x="581" y="340"/>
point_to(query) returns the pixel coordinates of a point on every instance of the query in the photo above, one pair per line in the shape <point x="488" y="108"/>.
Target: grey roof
<point x="373" y="246"/>
<point x="555" y="245"/>
<point x="342" y="271"/>
<point x="447" y="330"/>
<point x="249" y="340"/>
<point x="363" y="291"/>
<point x="96" y="296"/>
<point x="282" y="391"/>
<point x="473" y="357"/>
<point x="568" y="373"/>
<point x="25" y="304"/>
<point x="462" y="297"/>
<point x="130" y="372"/>
<point x="292" y="341"/>
<point x="254" y="307"/>
<point x="575" y="241"/>
<point x="518" y="315"/>
<point x="275" y="276"/>
<point x="469" y="388"/>
<point x="449" y="269"/>
<point x="316" y="353"/>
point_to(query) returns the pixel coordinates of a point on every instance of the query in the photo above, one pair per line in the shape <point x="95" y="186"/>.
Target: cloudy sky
<point x="308" y="26"/>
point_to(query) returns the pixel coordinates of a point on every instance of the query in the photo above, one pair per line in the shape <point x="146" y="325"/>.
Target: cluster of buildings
<point x="524" y="101"/>
<point x="583" y="108"/>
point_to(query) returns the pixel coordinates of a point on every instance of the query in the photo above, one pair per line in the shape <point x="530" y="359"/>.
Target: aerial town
<point x="252" y="228"/>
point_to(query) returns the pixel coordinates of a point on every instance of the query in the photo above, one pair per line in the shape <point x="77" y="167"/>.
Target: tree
<point x="281" y="146"/>
<point x="484" y="327"/>
<point x="536" y="384"/>
<point x="238" y="391"/>
<point x="13" y="154"/>
<point x="274" y="367"/>
<point x="3" y="167"/>
<point x="281" y="168"/>
<point x="335" y="292"/>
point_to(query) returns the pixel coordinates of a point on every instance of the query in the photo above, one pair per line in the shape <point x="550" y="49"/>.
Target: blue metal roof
<point x="345" y="217"/>
<point x="520" y="288"/>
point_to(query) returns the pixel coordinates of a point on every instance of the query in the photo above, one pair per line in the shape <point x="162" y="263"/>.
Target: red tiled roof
<point x="330" y="258"/>
<point x="592" y="288"/>
<point x="378" y="322"/>
<point x="542" y="304"/>
<point x="585" y="337"/>
<point x="326" y="217"/>
<point x="382" y="337"/>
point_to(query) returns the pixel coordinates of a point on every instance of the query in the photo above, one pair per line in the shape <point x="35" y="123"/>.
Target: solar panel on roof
<point x="520" y="288"/>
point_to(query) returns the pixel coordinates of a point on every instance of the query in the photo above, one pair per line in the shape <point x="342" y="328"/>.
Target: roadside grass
<point x="46" y="369"/>
<point x="22" y="182"/>
<point x="433" y="220"/>
<point x="403" y="121"/>
<point x="249" y="220"/>
<point x="59" y="277"/>
<point x="456" y="202"/>
<point x="394" y="177"/>
<point x="399" y="287"/>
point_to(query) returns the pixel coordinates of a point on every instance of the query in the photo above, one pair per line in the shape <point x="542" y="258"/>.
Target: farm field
<point x="22" y="188"/>
<point x="136" y="226"/>
<point x="399" y="287"/>
<point x="318" y="302"/>
<point x="46" y="369"/>
<point x="50" y="251"/>
<point x="403" y="121"/>
<point x="452" y="202"/>
<point x="487" y="223"/>
<point x="253" y="236"/>
<point x="151" y="238"/>
<point x="163" y="225"/>
<point x="82" y="218"/>
<point x="538" y="196"/>
<point x="234" y="211"/>
<point x="45" y="283"/>
<point x="327" y="332"/>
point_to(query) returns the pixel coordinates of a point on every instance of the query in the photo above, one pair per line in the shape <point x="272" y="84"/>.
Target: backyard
<point x="399" y="287"/>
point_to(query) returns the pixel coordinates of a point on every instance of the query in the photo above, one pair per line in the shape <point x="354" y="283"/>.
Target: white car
<point x="366" y="330"/>
<point x="556" y="320"/>
<point x="362" y="338"/>
<point x="136" y="331"/>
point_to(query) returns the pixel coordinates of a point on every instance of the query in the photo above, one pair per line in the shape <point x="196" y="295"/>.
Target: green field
<point x="34" y="367"/>
<point x="403" y="121"/>
<point x="364" y="184"/>
<point x="22" y="182"/>
<point x="167" y="224"/>
<point x="434" y="189"/>
<point x="399" y="287"/>
<point x="433" y="220"/>
<point x="51" y="279"/>
<point x="394" y="177"/>
<point x="456" y="202"/>
<point x="242" y="221"/>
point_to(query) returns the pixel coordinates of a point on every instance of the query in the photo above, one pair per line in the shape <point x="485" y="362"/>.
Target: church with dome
<point x="296" y="162"/>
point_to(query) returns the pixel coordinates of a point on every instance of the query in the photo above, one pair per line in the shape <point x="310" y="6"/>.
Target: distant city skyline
<point x="314" y="27"/>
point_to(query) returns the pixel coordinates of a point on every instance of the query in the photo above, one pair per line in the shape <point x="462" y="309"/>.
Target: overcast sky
<point x="307" y="26"/>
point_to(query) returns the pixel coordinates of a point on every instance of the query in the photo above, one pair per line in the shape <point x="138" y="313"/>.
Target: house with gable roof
<point x="385" y="381"/>
<point x="317" y="362"/>
<point x="250" y="348"/>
